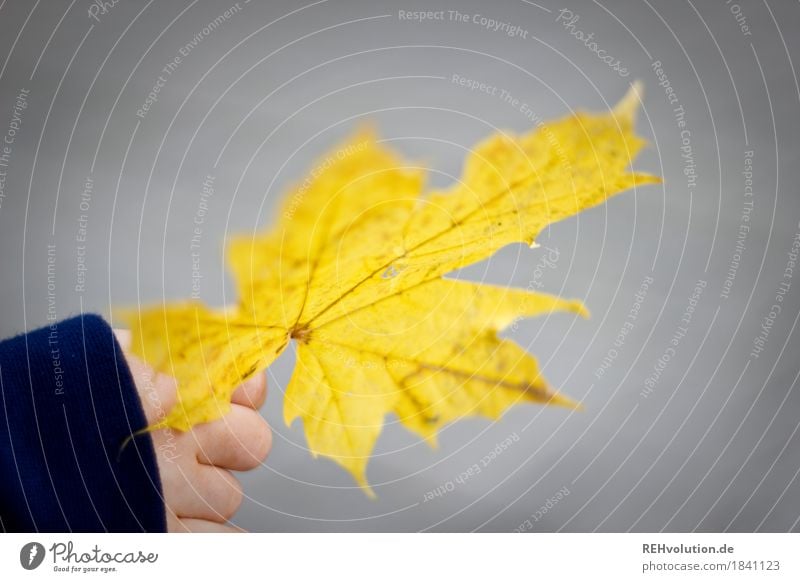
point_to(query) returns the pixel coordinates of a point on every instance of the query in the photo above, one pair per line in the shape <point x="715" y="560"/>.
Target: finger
<point x="206" y="493"/>
<point x="189" y="525"/>
<point x="123" y="338"/>
<point x="240" y="440"/>
<point x="158" y="393"/>
<point x="252" y="392"/>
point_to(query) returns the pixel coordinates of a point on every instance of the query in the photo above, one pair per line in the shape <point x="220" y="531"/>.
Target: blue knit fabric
<point x="67" y="404"/>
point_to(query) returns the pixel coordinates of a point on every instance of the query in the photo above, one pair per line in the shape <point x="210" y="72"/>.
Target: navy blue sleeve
<point x="67" y="404"/>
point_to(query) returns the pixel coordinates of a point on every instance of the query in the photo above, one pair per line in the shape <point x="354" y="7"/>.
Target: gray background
<point x="713" y="447"/>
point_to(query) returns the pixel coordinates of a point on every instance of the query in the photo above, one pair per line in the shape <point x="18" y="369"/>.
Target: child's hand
<point x="200" y="493"/>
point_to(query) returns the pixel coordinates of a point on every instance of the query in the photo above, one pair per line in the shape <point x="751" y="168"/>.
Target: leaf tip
<point x="432" y="441"/>
<point x="644" y="179"/>
<point x="361" y="479"/>
<point x="578" y="307"/>
<point x="558" y="399"/>
<point x="627" y="107"/>
<point x="366" y="130"/>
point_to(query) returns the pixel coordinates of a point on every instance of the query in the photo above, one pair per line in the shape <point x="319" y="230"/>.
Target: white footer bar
<point x="389" y="557"/>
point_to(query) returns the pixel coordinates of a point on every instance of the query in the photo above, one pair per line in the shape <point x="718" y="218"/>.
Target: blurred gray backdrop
<point x="691" y="412"/>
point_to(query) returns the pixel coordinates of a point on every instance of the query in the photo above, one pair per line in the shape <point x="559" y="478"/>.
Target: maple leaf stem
<point x="301" y="333"/>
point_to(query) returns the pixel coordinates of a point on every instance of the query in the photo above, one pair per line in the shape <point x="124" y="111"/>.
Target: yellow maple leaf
<point x="352" y="272"/>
